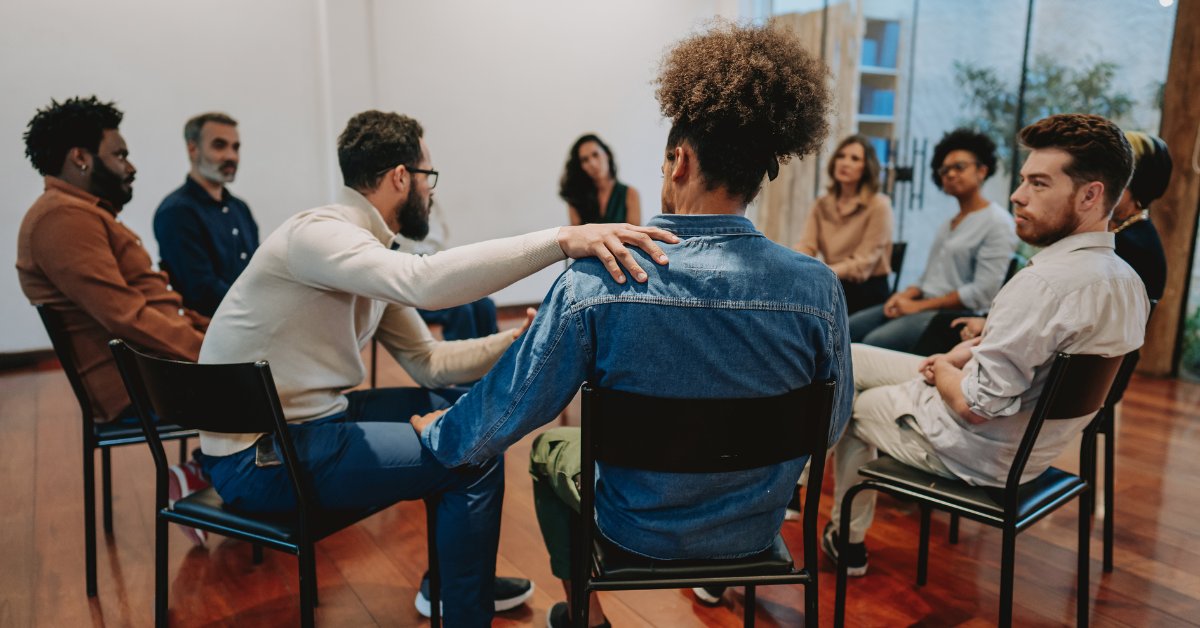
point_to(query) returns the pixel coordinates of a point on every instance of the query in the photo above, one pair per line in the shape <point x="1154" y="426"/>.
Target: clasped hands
<point x="940" y="362"/>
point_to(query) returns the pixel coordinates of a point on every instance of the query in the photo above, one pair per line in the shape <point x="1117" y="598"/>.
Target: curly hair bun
<point x="756" y="83"/>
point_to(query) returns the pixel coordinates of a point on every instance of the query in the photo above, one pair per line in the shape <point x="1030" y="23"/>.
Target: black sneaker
<point x="709" y="596"/>
<point x="560" y="617"/>
<point x="856" y="553"/>
<point x="794" y="506"/>
<point x="510" y="593"/>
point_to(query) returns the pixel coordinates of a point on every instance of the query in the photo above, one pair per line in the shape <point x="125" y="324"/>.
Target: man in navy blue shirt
<point x="206" y="235"/>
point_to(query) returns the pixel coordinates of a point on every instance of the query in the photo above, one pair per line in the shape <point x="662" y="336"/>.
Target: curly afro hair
<point x="374" y="141"/>
<point x="977" y="144"/>
<point x="74" y="123"/>
<point x="746" y="98"/>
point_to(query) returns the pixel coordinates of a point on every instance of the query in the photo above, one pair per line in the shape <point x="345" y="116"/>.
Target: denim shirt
<point x="732" y="315"/>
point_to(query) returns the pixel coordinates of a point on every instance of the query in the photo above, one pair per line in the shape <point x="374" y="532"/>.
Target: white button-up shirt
<point x="1076" y="297"/>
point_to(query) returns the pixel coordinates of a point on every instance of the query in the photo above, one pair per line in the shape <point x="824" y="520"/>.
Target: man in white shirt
<point x="962" y="414"/>
<point x="326" y="282"/>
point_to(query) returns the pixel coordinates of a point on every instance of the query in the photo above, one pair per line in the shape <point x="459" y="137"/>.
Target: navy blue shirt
<point x="204" y="243"/>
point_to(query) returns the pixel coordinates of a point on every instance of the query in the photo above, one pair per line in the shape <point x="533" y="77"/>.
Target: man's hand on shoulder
<point x="420" y="422"/>
<point x="607" y="243"/>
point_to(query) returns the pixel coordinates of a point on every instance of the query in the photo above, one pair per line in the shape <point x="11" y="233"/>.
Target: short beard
<point x="211" y="170"/>
<point x="108" y="185"/>
<point x="413" y="216"/>
<point x="1055" y="234"/>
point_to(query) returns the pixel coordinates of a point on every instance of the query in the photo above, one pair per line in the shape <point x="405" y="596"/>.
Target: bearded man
<point x="962" y="414"/>
<point x="320" y="287"/>
<point x="206" y="235"/>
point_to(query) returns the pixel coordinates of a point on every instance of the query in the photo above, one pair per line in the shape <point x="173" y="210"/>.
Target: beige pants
<point x="878" y="423"/>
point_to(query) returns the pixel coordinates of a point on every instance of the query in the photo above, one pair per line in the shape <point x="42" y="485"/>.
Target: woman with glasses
<point x="969" y="257"/>
<point x="850" y="226"/>
<point x="589" y="186"/>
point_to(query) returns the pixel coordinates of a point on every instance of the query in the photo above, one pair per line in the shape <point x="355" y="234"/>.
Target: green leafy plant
<point x="1051" y="88"/>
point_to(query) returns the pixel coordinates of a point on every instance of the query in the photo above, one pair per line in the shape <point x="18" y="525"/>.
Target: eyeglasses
<point x="432" y="174"/>
<point x="957" y="166"/>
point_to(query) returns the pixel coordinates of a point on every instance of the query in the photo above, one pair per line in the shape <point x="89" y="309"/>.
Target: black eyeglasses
<point x="432" y="174"/>
<point x="957" y="166"/>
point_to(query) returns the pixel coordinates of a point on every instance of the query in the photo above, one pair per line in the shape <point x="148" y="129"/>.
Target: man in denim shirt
<point x="733" y="315"/>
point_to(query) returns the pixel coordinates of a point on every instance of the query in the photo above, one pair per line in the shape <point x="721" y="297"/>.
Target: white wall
<point x="502" y="89"/>
<point x="162" y="62"/>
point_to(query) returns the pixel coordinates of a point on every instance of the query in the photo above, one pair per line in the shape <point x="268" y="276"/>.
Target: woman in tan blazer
<point x="850" y="226"/>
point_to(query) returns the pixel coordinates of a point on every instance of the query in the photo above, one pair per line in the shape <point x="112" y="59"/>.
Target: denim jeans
<point x="371" y="456"/>
<point x="471" y="320"/>
<point x="871" y="327"/>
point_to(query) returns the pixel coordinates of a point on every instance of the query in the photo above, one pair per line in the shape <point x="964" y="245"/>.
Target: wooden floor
<point x="368" y="574"/>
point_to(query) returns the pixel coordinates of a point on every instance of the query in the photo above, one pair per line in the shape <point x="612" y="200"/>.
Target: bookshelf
<point x="879" y="85"/>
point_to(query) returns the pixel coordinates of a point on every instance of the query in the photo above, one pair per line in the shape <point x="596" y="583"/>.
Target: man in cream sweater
<point x="319" y="288"/>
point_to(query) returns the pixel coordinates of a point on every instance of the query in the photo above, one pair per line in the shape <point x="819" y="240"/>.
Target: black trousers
<point x="860" y="296"/>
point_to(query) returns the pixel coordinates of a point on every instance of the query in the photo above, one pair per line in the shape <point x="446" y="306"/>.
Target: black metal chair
<point x="1077" y="386"/>
<point x="102" y="436"/>
<point x="705" y="436"/>
<point x="237" y="399"/>
<point x="898" y="249"/>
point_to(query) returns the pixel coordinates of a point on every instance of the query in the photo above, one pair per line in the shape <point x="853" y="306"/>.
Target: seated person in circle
<point x="969" y="256"/>
<point x="850" y="226"/>
<point x="734" y="315"/>
<point x="589" y="186"/>
<point x="1137" y="239"/>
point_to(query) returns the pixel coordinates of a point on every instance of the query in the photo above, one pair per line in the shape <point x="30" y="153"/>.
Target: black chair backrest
<point x="706" y="435"/>
<point x="231" y="398"/>
<point x="61" y="342"/>
<point x="897" y="262"/>
<point x="1078" y="385"/>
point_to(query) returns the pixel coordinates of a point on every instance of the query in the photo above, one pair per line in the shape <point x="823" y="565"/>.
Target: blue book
<point x="891" y="43"/>
<point x="866" y="99"/>
<point x="880" y="144"/>
<point x="870" y="52"/>
<point x="884" y="102"/>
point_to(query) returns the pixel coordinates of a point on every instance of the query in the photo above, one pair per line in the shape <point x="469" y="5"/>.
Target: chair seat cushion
<point x="617" y="563"/>
<point x="1033" y="496"/>
<point x="206" y="506"/>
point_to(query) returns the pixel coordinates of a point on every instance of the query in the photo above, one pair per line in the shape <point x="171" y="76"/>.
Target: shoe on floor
<point x="709" y="596"/>
<point x="856" y="553"/>
<point x="510" y="593"/>
<point x="794" y="506"/>
<point x="183" y="480"/>
<point x="560" y="617"/>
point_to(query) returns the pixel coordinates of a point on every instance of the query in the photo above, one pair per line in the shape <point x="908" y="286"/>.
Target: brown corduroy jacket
<point x="74" y="256"/>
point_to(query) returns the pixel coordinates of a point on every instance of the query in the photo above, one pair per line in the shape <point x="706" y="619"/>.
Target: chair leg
<point x="954" y="528"/>
<point x="1007" y="559"/>
<point x="435" y="576"/>
<point x="183" y="450"/>
<point x="256" y="553"/>
<point x="749" y="604"/>
<point x="839" y="604"/>
<point x="811" y="603"/>
<point x="923" y="550"/>
<point x="106" y="487"/>
<point x="580" y="568"/>
<point x="89" y="517"/>
<point x="160" y="572"/>
<point x="308" y="586"/>
<point x="1110" y="506"/>
<point x="1083" y="589"/>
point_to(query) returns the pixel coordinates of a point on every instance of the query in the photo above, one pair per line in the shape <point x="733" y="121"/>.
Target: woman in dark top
<point x="1137" y="239"/>
<point x="589" y="186"/>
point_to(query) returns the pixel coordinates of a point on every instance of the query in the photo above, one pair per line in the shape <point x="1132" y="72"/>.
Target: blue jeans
<point x="371" y="456"/>
<point x="871" y="327"/>
<point x="472" y="320"/>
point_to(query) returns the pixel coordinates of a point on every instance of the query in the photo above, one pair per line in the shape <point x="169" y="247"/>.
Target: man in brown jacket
<point x="73" y="255"/>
